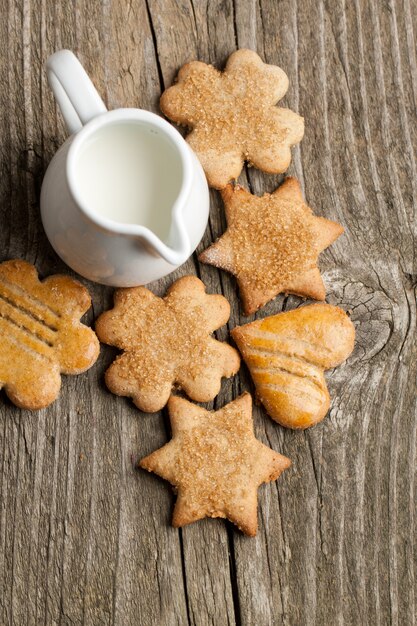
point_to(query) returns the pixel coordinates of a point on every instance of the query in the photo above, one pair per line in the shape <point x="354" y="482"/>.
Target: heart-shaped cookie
<point x="287" y="354"/>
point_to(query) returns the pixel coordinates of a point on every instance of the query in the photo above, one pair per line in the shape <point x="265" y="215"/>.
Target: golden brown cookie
<point x="41" y="334"/>
<point x="215" y="463"/>
<point x="287" y="354"/>
<point x="272" y="244"/>
<point x="233" y="116"/>
<point x="167" y="341"/>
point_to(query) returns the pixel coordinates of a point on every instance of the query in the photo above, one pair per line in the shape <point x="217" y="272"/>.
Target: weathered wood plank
<point x="73" y="505"/>
<point x="84" y="536"/>
<point x="209" y="589"/>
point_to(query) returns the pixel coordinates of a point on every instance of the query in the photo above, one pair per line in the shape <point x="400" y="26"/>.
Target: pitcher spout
<point x="177" y="249"/>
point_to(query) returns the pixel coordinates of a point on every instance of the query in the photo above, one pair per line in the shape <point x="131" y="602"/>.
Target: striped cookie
<point x="41" y="334"/>
<point x="287" y="354"/>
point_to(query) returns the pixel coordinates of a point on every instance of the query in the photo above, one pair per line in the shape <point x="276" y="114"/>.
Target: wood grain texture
<point x="84" y="536"/>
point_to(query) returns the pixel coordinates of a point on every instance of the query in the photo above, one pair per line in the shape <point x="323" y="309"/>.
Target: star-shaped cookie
<point x="166" y="342"/>
<point x="215" y="463"/>
<point x="272" y="244"/>
<point x="233" y="116"/>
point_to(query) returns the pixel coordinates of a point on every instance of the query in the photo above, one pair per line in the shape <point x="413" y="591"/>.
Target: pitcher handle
<point x="74" y="92"/>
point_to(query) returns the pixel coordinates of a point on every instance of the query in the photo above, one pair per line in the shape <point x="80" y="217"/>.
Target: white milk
<point x="130" y="173"/>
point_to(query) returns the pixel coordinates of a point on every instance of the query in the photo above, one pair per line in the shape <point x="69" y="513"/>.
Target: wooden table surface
<point x="85" y="537"/>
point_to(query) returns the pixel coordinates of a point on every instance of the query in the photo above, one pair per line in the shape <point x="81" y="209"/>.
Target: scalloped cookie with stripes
<point x="41" y="333"/>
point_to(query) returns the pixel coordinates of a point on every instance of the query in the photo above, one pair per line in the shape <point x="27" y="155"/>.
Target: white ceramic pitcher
<point x="125" y="200"/>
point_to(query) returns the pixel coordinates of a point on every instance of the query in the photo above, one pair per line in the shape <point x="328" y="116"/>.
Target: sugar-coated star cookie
<point x="233" y="116"/>
<point x="272" y="244"/>
<point x="167" y="341"/>
<point x="41" y="334"/>
<point x="215" y="463"/>
<point x="287" y="354"/>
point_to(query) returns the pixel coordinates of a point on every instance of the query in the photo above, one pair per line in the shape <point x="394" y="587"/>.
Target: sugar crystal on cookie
<point x="215" y="463"/>
<point x="233" y="116"/>
<point x="272" y="244"/>
<point x="167" y="342"/>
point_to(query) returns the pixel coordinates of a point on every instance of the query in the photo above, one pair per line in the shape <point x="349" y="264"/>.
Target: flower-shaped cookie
<point x="272" y="244"/>
<point x="233" y="116"/>
<point x="167" y="341"/>
<point x="215" y="463"/>
<point x="41" y="334"/>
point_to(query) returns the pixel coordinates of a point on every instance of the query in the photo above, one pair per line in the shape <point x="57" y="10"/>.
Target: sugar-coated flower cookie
<point x="272" y="244"/>
<point x="233" y="116"/>
<point x="41" y="334"/>
<point x="215" y="463"/>
<point x="287" y="354"/>
<point x="166" y="342"/>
